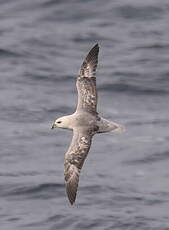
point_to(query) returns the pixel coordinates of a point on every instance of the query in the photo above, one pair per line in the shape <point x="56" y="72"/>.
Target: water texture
<point x="124" y="182"/>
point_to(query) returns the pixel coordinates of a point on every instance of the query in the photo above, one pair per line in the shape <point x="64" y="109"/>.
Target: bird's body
<point x="84" y="123"/>
<point x="87" y="120"/>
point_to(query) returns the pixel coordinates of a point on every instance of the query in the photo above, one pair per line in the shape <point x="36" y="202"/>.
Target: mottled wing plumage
<point x="74" y="159"/>
<point x="86" y="82"/>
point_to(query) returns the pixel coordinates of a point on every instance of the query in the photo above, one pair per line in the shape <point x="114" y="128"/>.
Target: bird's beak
<point x="53" y="126"/>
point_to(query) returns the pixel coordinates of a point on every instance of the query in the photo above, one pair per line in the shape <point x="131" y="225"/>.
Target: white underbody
<point x="87" y="120"/>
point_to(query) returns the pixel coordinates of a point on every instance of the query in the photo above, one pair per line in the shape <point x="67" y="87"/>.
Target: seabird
<point x="84" y="123"/>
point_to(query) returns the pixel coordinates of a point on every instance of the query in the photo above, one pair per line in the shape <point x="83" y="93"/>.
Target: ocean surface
<point x="124" y="184"/>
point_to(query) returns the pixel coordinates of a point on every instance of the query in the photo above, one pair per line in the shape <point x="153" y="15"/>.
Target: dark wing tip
<point x="89" y="65"/>
<point x="93" y="53"/>
<point x="71" y="191"/>
<point x="96" y="46"/>
<point x="72" y="180"/>
<point x="91" y="61"/>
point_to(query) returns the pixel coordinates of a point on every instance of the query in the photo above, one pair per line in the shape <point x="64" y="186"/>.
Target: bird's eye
<point x="58" y="122"/>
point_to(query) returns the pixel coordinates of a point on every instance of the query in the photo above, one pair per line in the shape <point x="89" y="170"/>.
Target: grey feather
<point x="86" y="82"/>
<point x="74" y="159"/>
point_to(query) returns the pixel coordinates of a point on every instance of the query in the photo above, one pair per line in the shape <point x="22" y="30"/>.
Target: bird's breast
<point x="84" y="119"/>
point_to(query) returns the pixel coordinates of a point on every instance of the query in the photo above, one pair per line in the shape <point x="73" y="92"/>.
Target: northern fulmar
<point x="84" y="123"/>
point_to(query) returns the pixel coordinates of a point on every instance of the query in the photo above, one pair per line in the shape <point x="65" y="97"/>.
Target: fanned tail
<point x="109" y="126"/>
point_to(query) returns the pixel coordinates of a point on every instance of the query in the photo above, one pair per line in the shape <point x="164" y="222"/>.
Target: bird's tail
<point x="109" y="126"/>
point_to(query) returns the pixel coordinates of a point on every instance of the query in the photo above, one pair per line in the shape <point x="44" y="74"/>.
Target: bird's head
<point x="62" y="122"/>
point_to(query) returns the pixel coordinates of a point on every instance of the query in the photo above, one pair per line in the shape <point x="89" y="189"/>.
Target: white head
<point x="62" y="122"/>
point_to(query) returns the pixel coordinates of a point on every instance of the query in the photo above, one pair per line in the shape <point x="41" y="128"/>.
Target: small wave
<point x="144" y="13"/>
<point x="48" y="78"/>
<point x="153" y="158"/>
<point x="93" y="188"/>
<point x="132" y="89"/>
<point x="51" y="3"/>
<point x="8" y="53"/>
<point x="50" y="219"/>
<point x="32" y="173"/>
<point x="90" y="37"/>
<point x="46" y="191"/>
<point x="154" y="46"/>
<point x="150" y="122"/>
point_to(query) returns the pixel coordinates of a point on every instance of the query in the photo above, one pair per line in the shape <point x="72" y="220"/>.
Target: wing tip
<point x="95" y="48"/>
<point x="93" y="54"/>
<point x="97" y="45"/>
<point x="72" y="202"/>
<point x="71" y="194"/>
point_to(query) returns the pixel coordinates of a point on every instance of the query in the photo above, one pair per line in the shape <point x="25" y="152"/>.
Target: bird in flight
<point x="85" y="122"/>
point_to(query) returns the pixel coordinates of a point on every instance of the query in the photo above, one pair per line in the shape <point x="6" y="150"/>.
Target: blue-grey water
<point x="124" y="183"/>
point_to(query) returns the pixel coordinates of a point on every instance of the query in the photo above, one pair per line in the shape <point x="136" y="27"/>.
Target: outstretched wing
<point x="86" y="82"/>
<point x="74" y="159"/>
